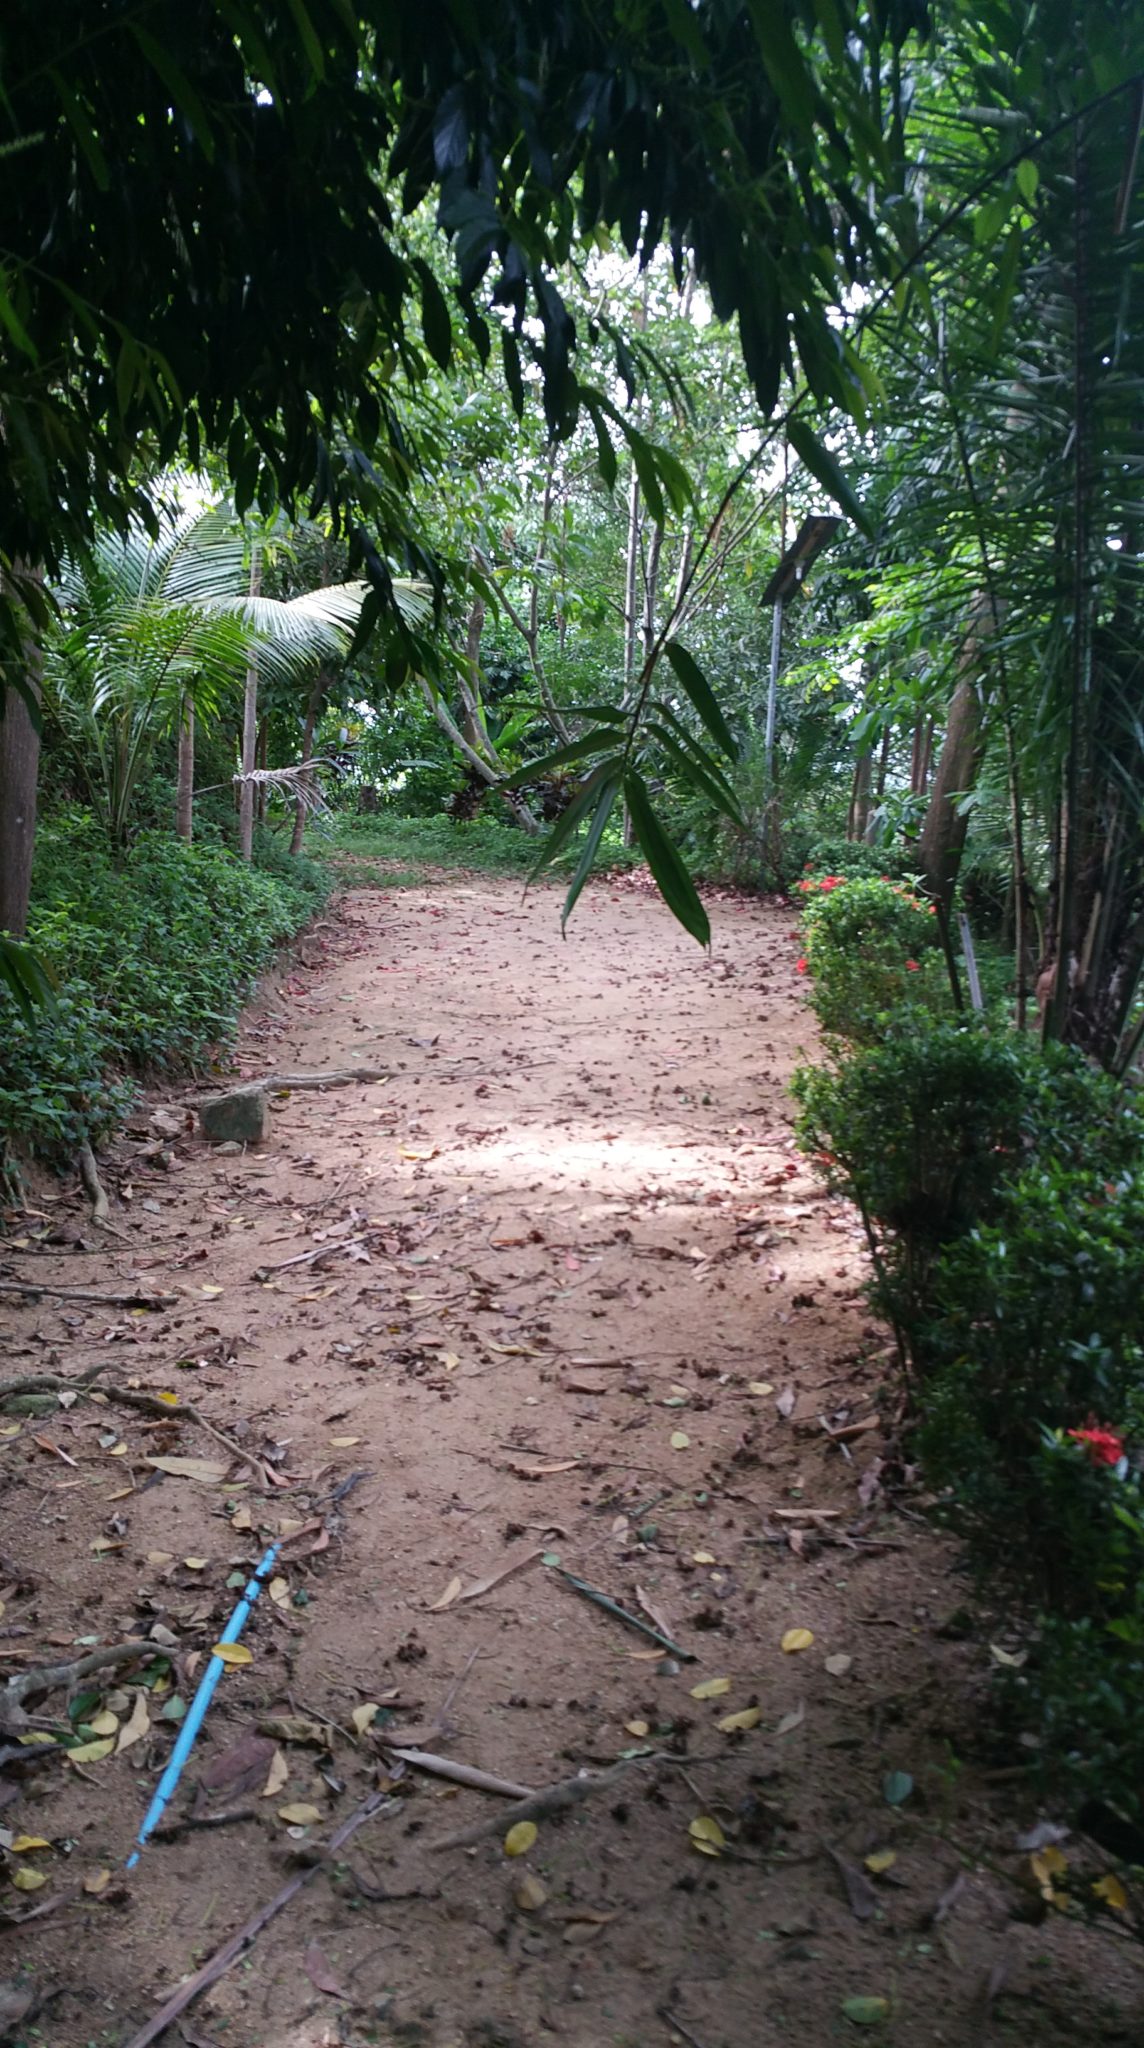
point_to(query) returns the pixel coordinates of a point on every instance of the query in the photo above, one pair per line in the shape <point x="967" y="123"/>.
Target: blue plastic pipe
<point x="198" y="1707"/>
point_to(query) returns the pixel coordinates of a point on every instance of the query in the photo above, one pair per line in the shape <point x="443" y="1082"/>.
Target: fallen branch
<point x="231" y="1950"/>
<point x="134" y="1300"/>
<point x="50" y="1677"/>
<point x="96" y="1193"/>
<point x="558" y="1798"/>
<point x="50" y="1382"/>
<point x="321" y="1251"/>
<point x="152" y="1405"/>
<point x="460" y="1774"/>
<point x="611" y="1606"/>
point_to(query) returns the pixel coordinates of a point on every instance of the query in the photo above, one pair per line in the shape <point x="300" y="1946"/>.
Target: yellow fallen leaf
<point x="530" y="1895"/>
<point x="636" y="1727"/>
<point x="23" y="1844"/>
<point x="105" y="1723"/>
<point x="232" y="1653"/>
<point x="1107" y="1888"/>
<point x="411" y="1152"/>
<point x="210" y="1291"/>
<point x="279" y="1591"/>
<point x="105" y="1543"/>
<point x="276" y="1776"/>
<point x="680" y="1441"/>
<point x="797" y="1639"/>
<point x="1009" y="1660"/>
<point x="11" y="1428"/>
<point x="450" y="1360"/>
<point x="343" y="1443"/>
<point x="301" y="1816"/>
<point x="134" y="1729"/>
<point x="34" y="1738"/>
<point x="452" y="1592"/>
<point x="121" y="1493"/>
<point x="749" y="1718"/>
<point x="196" y="1564"/>
<point x="520" y="1838"/>
<point x="702" y="1557"/>
<point x="168" y="1400"/>
<point x="707" y="1836"/>
<point x="160" y="1557"/>
<point x="241" y="1518"/>
<point x="363" y="1716"/>
<point x="205" y="1470"/>
<point x="27" y="1880"/>
<point x="90" y="1752"/>
<point x="117" y="1451"/>
<point x="96" y="1883"/>
<point x="710" y="1689"/>
<point x="760" y="1387"/>
<point x="1046" y="1865"/>
<point x="882" y="1859"/>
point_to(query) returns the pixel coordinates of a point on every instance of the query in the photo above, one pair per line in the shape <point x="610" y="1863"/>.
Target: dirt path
<point x="594" y="1306"/>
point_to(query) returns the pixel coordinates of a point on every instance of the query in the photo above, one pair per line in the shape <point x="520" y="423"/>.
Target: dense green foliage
<point x="153" y="956"/>
<point x="870" y="945"/>
<point x="1002" y="1191"/>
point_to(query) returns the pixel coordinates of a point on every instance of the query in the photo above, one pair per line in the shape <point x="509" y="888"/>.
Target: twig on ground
<point x="89" y="1294"/>
<point x="175" y="1828"/>
<point x="97" y="1193"/>
<point x="610" y="1606"/>
<point x="50" y="1677"/>
<point x="558" y="1798"/>
<point x="50" y="1382"/>
<point x="231" y="1950"/>
<point x="460" y="1774"/>
<point x="672" y="2020"/>
<point x="321" y="1251"/>
<point x="152" y="1405"/>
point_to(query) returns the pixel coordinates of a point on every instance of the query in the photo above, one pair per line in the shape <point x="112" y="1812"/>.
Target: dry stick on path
<point x="558" y="1798"/>
<point x="461" y="1774"/>
<point x="50" y="1677"/>
<point x="225" y="1957"/>
<point x="88" y="1294"/>
<point x="54" y="1383"/>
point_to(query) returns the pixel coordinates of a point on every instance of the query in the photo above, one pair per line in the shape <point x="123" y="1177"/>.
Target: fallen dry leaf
<point x="734" y="1724"/>
<point x="530" y="1895"/>
<point x="838" y="1665"/>
<point x="277" y="1775"/>
<point x="710" y="1688"/>
<point x="797" y="1639"/>
<point x="364" y="1716"/>
<point x="204" y="1470"/>
<point x="90" y="1752"/>
<point x="452" y="1592"/>
<point x="320" y="1973"/>
<point x="134" y="1729"/>
<point x="22" y="1845"/>
<point x="520" y="1838"/>
<point x="96" y="1883"/>
<point x="28" y="1880"/>
<point x="707" y="1836"/>
<point x="793" y="1720"/>
<point x="680" y="1441"/>
<point x="234" y="1654"/>
<point x="300" y="1815"/>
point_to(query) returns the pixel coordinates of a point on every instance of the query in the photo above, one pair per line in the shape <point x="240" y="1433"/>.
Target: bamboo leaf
<point x="823" y="465"/>
<point x="665" y="861"/>
<point x="703" y="700"/>
<point x="608" y="794"/>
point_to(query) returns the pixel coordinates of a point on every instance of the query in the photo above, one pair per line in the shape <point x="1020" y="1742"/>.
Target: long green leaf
<point x="568" y="821"/>
<point x="695" y="776"/>
<point x="703" y="699"/>
<point x="822" y="464"/>
<point x="29" y="982"/>
<point x="575" y="750"/>
<point x="665" y="861"/>
<point x="609" y="791"/>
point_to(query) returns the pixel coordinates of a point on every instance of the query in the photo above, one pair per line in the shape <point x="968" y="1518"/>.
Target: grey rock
<point x="241" y="1117"/>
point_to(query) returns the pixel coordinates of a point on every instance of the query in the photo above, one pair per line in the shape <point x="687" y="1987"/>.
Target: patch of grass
<point x="482" y="845"/>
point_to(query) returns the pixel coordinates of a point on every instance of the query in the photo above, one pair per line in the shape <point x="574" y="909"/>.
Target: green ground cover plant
<point x="153" y="954"/>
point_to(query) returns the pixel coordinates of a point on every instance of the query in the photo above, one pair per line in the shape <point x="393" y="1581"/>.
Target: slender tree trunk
<point x="249" y="733"/>
<point x="944" y="831"/>
<point x="185" y="784"/>
<point x="883" y="765"/>
<point x="19" y="771"/>
<point x="263" y="758"/>
<point x="860" y="797"/>
<point x="312" y="709"/>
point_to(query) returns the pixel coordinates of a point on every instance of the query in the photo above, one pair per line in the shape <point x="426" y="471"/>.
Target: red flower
<point x="1104" y="1447"/>
<point x="801" y="966"/>
<point x="911" y="966"/>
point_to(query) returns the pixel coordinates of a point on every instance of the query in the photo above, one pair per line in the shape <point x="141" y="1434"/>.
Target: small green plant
<point x="856" y="860"/>
<point x="870" y="946"/>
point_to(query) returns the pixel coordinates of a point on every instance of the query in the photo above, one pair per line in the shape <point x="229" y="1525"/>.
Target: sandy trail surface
<point x="576" y="1306"/>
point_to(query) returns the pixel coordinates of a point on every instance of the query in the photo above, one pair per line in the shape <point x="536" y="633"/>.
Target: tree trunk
<point x="19" y="770"/>
<point x="263" y="758"/>
<point x="944" y="831"/>
<point x="312" y="709"/>
<point x="249" y="734"/>
<point x="859" y="817"/>
<point x="185" y="785"/>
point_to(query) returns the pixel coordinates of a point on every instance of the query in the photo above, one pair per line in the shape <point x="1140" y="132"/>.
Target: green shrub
<point x="870" y="946"/>
<point x="923" y="1130"/>
<point x="856" y="860"/>
<point x="154" y="955"/>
